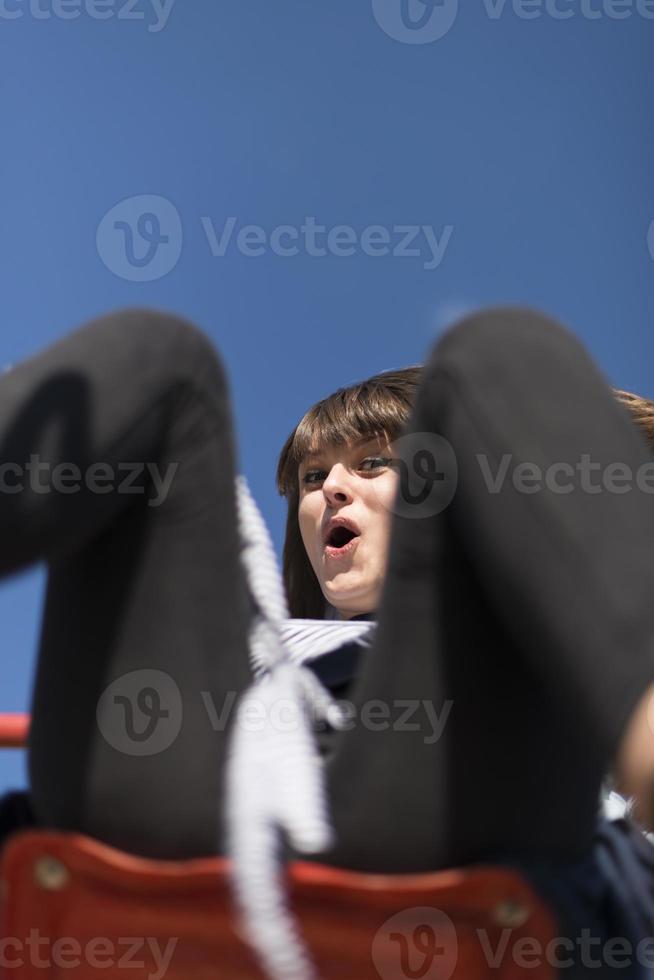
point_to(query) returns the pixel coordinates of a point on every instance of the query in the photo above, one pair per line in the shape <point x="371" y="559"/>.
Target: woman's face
<point x="354" y="484"/>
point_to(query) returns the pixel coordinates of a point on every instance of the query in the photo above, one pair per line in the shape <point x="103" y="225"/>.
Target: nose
<point x="336" y="486"/>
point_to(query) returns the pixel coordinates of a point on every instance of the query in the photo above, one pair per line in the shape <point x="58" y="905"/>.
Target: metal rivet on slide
<point x="511" y="913"/>
<point x="50" y="873"/>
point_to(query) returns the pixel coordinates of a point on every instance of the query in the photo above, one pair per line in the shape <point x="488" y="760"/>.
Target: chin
<point x="348" y="603"/>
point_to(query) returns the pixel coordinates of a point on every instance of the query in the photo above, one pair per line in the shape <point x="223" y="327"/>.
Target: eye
<point x="384" y="460"/>
<point x="307" y="478"/>
<point x="312" y="477"/>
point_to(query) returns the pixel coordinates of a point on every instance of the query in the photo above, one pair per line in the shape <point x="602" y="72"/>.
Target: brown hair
<point x="378" y="406"/>
<point x="641" y="410"/>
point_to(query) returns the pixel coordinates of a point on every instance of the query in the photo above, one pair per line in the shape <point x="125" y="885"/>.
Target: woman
<point x="352" y="435"/>
<point x="530" y="615"/>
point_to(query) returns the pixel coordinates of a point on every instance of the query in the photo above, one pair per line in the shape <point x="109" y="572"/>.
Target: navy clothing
<point x="15" y="813"/>
<point x="338" y="668"/>
<point x="604" y="902"/>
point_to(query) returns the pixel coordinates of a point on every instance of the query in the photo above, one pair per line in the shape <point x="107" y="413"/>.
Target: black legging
<point x="135" y="584"/>
<point x="527" y="616"/>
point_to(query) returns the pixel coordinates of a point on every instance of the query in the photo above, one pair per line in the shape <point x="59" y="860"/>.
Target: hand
<point x="634" y="763"/>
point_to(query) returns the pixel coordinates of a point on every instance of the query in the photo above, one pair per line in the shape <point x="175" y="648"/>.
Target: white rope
<point x="274" y="776"/>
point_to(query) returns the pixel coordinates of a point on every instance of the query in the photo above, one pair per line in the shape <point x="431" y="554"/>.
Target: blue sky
<point x="519" y="135"/>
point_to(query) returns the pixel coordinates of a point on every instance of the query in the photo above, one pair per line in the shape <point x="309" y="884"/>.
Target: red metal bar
<point x="13" y="730"/>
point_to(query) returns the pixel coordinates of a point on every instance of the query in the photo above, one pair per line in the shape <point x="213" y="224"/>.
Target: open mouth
<point x="341" y="541"/>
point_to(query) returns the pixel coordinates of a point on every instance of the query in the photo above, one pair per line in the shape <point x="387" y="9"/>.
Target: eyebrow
<point x="358" y="442"/>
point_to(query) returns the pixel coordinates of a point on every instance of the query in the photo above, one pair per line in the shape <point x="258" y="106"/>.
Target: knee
<point x="161" y="342"/>
<point x="156" y="329"/>
<point x="500" y="339"/>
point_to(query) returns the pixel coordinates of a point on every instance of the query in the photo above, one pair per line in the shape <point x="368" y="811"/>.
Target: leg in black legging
<point x="529" y="613"/>
<point x="141" y="578"/>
